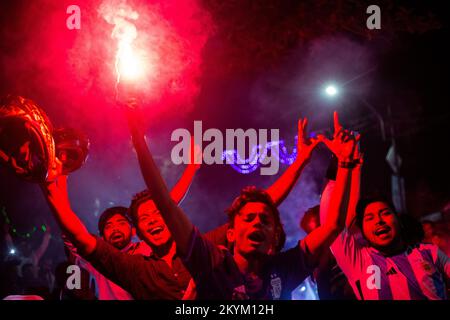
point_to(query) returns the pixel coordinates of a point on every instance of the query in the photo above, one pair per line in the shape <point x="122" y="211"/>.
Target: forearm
<point x="68" y="221"/>
<point x="338" y="208"/>
<point x="177" y="222"/>
<point x="280" y="189"/>
<point x="354" y="195"/>
<point x="179" y="191"/>
<point x="333" y="220"/>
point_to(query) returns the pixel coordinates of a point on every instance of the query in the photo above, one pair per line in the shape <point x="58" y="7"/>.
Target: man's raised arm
<point x="180" y="189"/>
<point x="343" y="146"/>
<point x="280" y="189"/>
<point x="58" y="199"/>
<point x="355" y="186"/>
<point x="177" y="221"/>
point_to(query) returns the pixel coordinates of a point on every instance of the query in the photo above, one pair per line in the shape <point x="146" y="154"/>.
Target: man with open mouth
<point x="392" y="263"/>
<point x="115" y="228"/>
<point x="120" y="267"/>
<point x="254" y="268"/>
<point x="161" y="273"/>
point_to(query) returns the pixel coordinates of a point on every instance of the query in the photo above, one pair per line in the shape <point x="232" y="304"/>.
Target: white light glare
<point x="331" y="90"/>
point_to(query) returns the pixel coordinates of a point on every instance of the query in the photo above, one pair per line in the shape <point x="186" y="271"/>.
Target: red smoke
<point x="170" y="35"/>
<point x="70" y="73"/>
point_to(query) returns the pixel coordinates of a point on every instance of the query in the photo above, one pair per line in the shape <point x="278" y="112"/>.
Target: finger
<point x="305" y="123"/>
<point x="339" y="135"/>
<point x="300" y="135"/>
<point x="337" y="125"/>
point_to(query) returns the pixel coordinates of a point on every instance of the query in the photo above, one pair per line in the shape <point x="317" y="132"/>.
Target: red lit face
<point x="151" y="226"/>
<point x="117" y="231"/>
<point x="254" y="229"/>
<point x="380" y="225"/>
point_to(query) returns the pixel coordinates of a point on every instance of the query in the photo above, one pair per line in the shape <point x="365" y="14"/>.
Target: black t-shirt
<point x="332" y="284"/>
<point x="217" y="276"/>
<point x="145" y="278"/>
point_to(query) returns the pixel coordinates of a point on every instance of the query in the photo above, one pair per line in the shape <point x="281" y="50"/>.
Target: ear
<point x="230" y="235"/>
<point x="275" y="242"/>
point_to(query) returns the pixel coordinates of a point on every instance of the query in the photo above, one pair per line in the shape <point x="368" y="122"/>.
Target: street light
<point x="332" y="90"/>
<point x="393" y="159"/>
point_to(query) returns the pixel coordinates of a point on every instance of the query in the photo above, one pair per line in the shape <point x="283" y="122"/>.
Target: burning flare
<point x="128" y="64"/>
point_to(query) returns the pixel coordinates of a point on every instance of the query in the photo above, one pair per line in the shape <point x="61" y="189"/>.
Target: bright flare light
<point x="128" y="64"/>
<point x="331" y="90"/>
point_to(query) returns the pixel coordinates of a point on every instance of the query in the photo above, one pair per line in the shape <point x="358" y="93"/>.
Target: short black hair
<point x="254" y="194"/>
<point x="108" y="214"/>
<point x="137" y="200"/>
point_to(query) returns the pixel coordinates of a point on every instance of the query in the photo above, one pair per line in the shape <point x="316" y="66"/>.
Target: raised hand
<point x="344" y="142"/>
<point x="196" y="155"/>
<point x="55" y="171"/>
<point x="305" y="146"/>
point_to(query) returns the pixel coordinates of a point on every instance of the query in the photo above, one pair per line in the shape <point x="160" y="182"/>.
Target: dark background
<point x="262" y="66"/>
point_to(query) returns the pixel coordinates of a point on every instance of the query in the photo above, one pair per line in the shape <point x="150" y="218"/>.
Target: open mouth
<point x="156" y="231"/>
<point x="257" y="236"/>
<point x="116" y="236"/>
<point x="382" y="231"/>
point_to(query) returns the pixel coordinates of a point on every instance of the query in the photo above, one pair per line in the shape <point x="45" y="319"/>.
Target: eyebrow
<point x="379" y="211"/>
<point x="118" y="220"/>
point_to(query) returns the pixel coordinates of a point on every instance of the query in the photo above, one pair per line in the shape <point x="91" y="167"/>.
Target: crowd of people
<point x="356" y="246"/>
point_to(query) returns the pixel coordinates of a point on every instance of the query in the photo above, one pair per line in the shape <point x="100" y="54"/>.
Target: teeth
<point x="157" y="229"/>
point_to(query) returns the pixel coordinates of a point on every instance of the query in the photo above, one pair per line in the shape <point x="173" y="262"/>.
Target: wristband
<point x="347" y="164"/>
